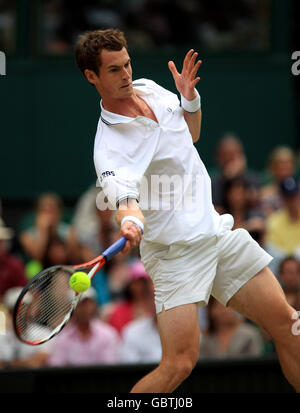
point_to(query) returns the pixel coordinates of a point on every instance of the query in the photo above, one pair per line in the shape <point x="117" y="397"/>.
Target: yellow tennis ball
<point x="79" y="281"/>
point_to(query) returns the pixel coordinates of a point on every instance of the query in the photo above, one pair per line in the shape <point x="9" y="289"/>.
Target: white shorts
<point x="217" y="266"/>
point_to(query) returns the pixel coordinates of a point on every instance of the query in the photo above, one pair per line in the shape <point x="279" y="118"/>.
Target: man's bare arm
<point x="129" y="229"/>
<point x="185" y="83"/>
<point x="193" y="121"/>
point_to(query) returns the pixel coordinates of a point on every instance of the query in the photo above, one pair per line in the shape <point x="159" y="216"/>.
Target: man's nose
<point x="125" y="73"/>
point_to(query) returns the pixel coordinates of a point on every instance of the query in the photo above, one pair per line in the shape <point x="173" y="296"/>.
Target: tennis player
<point x="144" y="138"/>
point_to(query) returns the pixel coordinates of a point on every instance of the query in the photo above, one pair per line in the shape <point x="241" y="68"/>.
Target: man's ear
<point x="91" y="76"/>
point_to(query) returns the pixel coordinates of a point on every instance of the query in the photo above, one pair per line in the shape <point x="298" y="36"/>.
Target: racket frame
<point x="95" y="263"/>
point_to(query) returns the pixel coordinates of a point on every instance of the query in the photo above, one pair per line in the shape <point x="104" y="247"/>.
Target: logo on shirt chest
<point x="105" y="174"/>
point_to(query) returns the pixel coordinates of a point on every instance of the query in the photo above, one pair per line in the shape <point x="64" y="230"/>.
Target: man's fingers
<point x="187" y="59"/>
<point x="195" y="81"/>
<point x="134" y="237"/>
<point x="133" y="234"/>
<point x="192" y="61"/>
<point x="186" y="80"/>
<point x="173" y="69"/>
<point x="127" y="248"/>
<point x="195" y="69"/>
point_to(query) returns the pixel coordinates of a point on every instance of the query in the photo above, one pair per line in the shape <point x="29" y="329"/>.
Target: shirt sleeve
<point x="121" y="165"/>
<point x="120" y="184"/>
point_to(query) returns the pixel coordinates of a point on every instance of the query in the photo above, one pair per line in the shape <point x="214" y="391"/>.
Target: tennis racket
<point x="47" y="302"/>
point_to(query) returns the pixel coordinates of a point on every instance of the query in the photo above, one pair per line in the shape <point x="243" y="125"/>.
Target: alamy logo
<point x="296" y="66"/>
<point x="2" y="63"/>
<point x="296" y="324"/>
<point x="154" y="192"/>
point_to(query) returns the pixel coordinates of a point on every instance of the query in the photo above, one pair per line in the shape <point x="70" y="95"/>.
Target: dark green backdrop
<point x="49" y="113"/>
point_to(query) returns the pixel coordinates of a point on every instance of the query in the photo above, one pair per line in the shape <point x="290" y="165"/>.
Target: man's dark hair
<point x="90" y="44"/>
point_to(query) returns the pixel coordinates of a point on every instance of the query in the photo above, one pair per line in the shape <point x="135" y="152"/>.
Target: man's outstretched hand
<point x="186" y="80"/>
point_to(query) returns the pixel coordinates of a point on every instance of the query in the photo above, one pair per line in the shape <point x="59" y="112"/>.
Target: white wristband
<point x="134" y="219"/>
<point x="191" y="106"/>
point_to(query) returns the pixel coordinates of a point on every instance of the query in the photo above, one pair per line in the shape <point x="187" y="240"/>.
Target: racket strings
<point x="46" y="306"/>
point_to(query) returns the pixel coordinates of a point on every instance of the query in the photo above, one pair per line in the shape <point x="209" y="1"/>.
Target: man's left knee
<point x="283" y="321"/>
<point x="185" y="365"/>
<point x="178" y="368"/>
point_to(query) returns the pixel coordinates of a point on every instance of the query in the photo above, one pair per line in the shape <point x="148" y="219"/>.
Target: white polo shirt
<point x="157" y="164"/>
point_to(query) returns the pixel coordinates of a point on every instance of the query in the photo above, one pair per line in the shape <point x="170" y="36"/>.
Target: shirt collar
<point x="111" y="118"/>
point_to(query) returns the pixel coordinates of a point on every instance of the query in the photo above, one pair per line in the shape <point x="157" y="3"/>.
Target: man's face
<point x="290" y="274"/>
<point x="228" y="152"/>
<point x="114" y="79"/>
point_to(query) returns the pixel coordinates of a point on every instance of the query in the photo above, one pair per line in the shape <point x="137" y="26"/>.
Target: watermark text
<point x="296" y="66"/>
<point x="2" y="64"/>
<point x="155" y="192"/>
<point x="296" y="324"/>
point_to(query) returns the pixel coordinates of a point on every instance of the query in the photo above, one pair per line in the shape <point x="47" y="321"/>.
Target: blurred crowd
<point x="115" y="321"/>
<point x="212" y="24"/>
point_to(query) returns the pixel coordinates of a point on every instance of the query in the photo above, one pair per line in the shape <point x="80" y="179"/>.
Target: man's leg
<point x="262" y="300"/>
<point x="179" y="334"/>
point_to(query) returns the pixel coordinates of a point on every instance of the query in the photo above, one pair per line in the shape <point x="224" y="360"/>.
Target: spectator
<point x="139" y="302"/>
<point x="213" y="25"/>
<point x="111" y="280"/>
<point x="231" y="163"/>
<point x="141" y="341"/>
<point x="14" y="353"/>
<point x="11" y="268"/>
<point x="281" y="164"/>
<point x="237" y="202"/>
<point x="289" y="277"/>
<point x="84" y="217"/>
<point x="97" y="229"/>
<point x="228" y="334"/>
<point x="50" y="240"/>
<point x="85" y="340"/>
<point x="283" y="226"/>
<point x="256" y="226"/>
<point x="93" y="225"/>
<point x="93" y="243"/>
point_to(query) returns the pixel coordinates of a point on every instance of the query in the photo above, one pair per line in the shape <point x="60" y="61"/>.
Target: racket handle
<point x="114" y="248"/>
